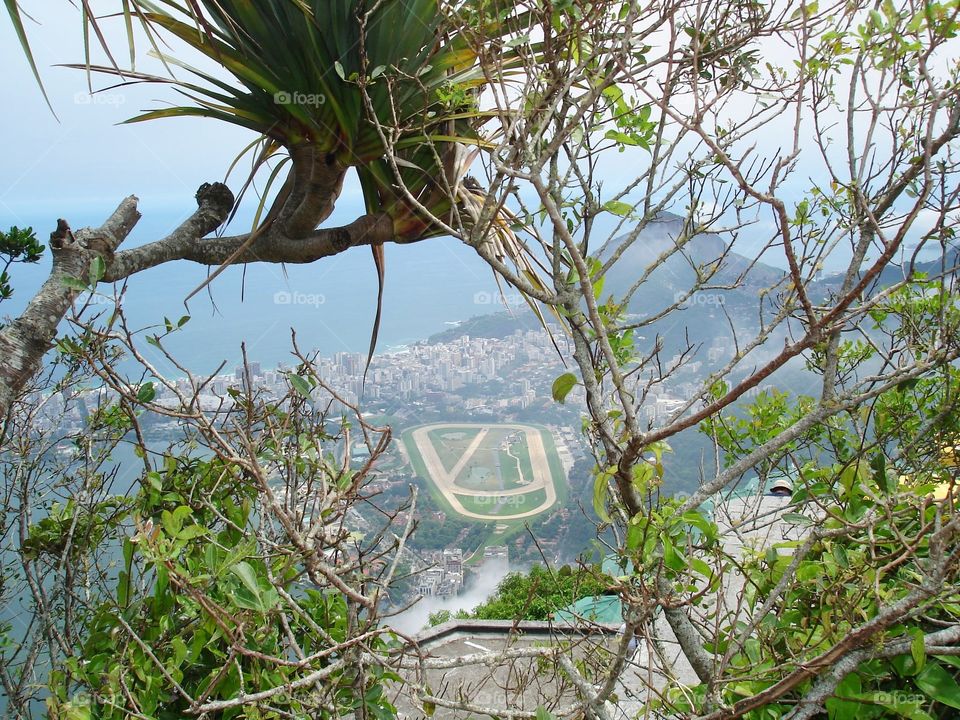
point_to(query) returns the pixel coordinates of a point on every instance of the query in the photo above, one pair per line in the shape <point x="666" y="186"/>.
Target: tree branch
<point x="272" y="247"/>
<point x="185" y="243"/>
<point x="24" y="342"/>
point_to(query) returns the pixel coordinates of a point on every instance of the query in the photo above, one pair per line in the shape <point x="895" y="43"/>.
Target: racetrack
<point x="445" y="481"/>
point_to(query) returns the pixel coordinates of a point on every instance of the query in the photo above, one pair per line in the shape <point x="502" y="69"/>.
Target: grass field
<point x="519" y="461"/>
<point x="501" y="462"/>
<point x="503" y="506"/>
<point x="450" y="444"/>
<point x="523" y="452"/>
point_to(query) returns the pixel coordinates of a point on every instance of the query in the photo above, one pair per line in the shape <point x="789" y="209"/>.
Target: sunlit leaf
<point x="562" y="386"/>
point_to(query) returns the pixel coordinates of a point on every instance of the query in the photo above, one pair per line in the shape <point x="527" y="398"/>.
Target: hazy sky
<point x="82" y="163"/>
<point x="85" y="163"/>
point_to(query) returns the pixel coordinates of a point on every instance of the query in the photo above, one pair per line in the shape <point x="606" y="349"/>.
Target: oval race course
<point x="445" y="480"/>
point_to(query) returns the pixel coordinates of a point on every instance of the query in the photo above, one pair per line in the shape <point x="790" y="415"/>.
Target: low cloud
<point x="481" y="586"/>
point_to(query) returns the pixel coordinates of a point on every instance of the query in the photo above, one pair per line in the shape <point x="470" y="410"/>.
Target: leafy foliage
<point x="197" y="606"/>
<point x="541" y="592"/>
<point x="877" y="499"/>
<point x="16" y="245"/>
<point x="194" y="592"/>
<point x="846" y="617"/>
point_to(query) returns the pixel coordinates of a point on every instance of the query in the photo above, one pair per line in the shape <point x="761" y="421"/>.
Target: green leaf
<point x="949" y="660"/>
<point x="162" y="583"/>
<point x="621" y="138"/>
<point x="905" y="709"/>
<point x="694" y="518"/>
<point x="247" y="600"/>
<point x="269" y="599"/>
<point x="173" y="521"/>
<point x="616" y="207"/>
<point x="251" y="596"/>
<point x="635" y="535"/>
<point x="300" y="385"/>
<point x="771" y="556"/>
<point x="191" y="531"/>
<point x="878" y="463"/>
<point x="917" y="650"/>
<point x="127" y="553"/>
<point x="671" y="558"/>
<point x="939" y="684"/>
<point x="562" y="386"/>
<point x="658" y="449"/>
<point x="97" y="270"/>
<point x="719" y="389"/>
<point x="179" y="651"/>
<point x="543" y="714"/>
<point x="641" y="476"/>
<point x="700" y="567"/>
<point x="74" y="283"/>
<point x="13" y="10"/>
<point x="248" y="577"/>
<point x="845" y="705"/>
<point x="156" y="482"/>
<point x="598" y="287"/>
<point x="146" y="393"/>
<point x="123" y="587"/>
<point x="600" y="491"/>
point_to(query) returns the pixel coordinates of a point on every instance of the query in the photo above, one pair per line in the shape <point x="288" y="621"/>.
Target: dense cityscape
<point x="451" y="376"/>
<point x="470" y="376"/>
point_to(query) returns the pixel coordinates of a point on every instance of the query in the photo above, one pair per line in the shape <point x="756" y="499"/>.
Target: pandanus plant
<point x="389" y="88"/>
<point x="315" y="79"/>
<point x="331" y="84"/>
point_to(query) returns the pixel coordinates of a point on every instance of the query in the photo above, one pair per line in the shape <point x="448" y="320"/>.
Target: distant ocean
<point x="330" y="303"/>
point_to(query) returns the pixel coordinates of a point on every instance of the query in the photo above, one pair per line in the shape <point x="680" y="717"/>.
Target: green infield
<point x="503" y="506"/>
<point x="501" y="461"/>
<point x="452" y="443"/>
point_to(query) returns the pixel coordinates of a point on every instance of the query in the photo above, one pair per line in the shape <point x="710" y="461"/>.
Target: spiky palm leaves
<point x="335" y="85"/>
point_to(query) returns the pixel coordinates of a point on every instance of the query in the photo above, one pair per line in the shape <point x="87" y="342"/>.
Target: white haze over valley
<point x="483" y="584"/>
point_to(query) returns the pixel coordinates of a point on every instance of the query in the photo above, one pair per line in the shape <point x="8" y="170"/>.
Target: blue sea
<point x="330" y="303"/>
